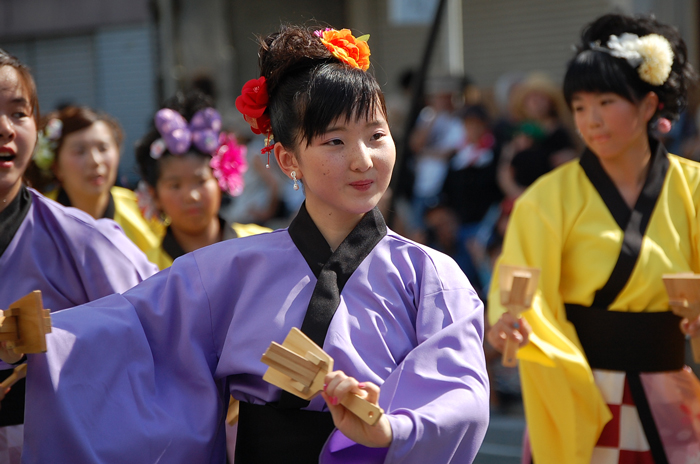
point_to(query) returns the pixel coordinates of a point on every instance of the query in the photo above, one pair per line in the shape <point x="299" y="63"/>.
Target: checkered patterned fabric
<point x="622" y="440"/>
<point x="11" y="444"/>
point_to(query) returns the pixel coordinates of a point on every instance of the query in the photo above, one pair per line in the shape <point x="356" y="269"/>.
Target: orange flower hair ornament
<point x="344" y="46"/>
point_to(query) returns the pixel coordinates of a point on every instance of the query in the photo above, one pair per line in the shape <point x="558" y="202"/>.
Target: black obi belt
<point x="632" y="342"/>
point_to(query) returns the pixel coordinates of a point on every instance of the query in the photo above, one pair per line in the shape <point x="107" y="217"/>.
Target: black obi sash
<point x="633" y="342"/>
<point x="282" y="431"/>
<point x="63" y="199"/>
<point x="11" y="218"/>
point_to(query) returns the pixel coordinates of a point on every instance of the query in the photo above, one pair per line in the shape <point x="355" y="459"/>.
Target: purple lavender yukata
<point x="144" y="377"/>
<point x="72" y="259"/>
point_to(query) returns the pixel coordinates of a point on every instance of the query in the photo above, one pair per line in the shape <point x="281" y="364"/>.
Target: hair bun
<point x="288" y="52"/>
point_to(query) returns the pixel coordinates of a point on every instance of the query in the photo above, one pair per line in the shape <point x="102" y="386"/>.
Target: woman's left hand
<point x="337" y="387"/>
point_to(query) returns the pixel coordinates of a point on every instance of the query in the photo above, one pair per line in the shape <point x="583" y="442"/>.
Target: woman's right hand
<point x="8" y="355"/>
<point x="508" y="326"/>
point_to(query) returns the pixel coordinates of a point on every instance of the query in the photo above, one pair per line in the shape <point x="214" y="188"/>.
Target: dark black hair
<point x="597" y="71"/>
<point x="476" y="112"/>
<point x="187" y="104"/>
<point x="309" y="88"/>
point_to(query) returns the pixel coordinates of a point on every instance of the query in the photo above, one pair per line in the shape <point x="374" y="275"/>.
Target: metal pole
<point x="400" y="181"/>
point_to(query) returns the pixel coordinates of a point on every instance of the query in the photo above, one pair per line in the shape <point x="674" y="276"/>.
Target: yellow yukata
<point x="562" y="226"/>
<point x="145" y="234"/>
<point x="161" y="258"/>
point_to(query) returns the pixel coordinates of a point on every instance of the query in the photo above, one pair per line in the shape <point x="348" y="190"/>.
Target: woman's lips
<point x="7" y="159"/>
<point x="362" y="185"/>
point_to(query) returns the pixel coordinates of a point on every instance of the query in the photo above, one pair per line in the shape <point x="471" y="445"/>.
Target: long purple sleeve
<point x="69" y="256"/>
<point x="145" y="376"/>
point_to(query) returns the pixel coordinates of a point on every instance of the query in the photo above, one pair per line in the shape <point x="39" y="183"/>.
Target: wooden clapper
<point x="517" y="285"/>
<point x="299" y="366"/>
<point x="684" y="298"/>
<point x="25" y="324"/>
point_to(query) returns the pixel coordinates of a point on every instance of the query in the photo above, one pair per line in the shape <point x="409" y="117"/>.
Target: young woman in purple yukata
<point x="146" y="377"/>
<point x="63" y="252"/>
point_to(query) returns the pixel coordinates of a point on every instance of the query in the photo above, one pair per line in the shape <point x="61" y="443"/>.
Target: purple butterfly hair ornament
<point x="177" y="135"/>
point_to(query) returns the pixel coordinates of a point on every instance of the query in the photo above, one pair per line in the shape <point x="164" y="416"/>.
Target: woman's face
<point x="17" y="131"/>
<point x="609" y="124"/>
<point x="188" y="193"/>
<point x="537" y="105"/>
<point x="87" y="162"/>
<point x="347" y="169"/>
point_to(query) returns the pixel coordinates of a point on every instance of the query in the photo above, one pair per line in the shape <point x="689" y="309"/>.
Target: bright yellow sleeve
<point x="564" y="409"/>
<point x="245" y="230"/>
<point x="129" y="217"/>
<point x="159" y="257"/>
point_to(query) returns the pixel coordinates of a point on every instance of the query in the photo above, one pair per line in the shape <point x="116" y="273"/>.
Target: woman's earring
<point x="296" y="182"/>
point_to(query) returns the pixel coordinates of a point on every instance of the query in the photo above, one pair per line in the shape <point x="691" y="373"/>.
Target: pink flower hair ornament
<point x="229" y="164"/>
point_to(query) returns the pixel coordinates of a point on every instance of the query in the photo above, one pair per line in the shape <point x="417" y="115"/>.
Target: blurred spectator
<point x="398" y="105"/>
<point x="504" y="91"/>
<point x="76" y="164"/>
<point x="437" y="136"/>
<point x="470" y="188"/>
<point x="541" y="141"/>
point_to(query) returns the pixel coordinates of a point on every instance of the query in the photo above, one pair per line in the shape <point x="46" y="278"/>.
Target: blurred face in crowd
<point x="188" y="193"/>
<point x="88" y="161"/>
<point x="475" y="129"/>
<point x="537" y="105"/>
<point x="17" y="133"/>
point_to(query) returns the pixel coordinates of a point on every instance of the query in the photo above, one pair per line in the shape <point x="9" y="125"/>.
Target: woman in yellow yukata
<point x="76" y="162"/>
<point x="602" y="355"/>
<point x="186" y="161"/>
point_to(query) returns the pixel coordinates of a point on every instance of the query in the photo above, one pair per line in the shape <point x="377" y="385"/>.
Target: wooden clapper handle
<point x="518" y="294"/>
<point x="19" y="373"/>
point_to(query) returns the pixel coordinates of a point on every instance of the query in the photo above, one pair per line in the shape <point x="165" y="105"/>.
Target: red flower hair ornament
<point x="252" y="103"/>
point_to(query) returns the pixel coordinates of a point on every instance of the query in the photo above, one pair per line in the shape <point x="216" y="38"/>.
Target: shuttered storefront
<point x="111" y="69"/>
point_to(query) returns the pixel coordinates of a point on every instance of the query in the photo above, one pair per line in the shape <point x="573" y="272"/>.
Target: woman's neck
<point x="333" y="227"/>
<point x="95" y="206"/>
<point x="194" y="241"/>
<point x="629" y="170"/>
<point x="8" y="195"/>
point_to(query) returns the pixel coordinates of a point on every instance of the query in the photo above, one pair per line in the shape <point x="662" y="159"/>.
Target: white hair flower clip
<point x="47" y="140"/>
<point x="651" y="54"/>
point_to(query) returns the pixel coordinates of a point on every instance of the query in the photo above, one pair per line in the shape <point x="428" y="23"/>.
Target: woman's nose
<point x="7" y="129"/>
<point x="362" y="159"/>
<point x="195" y="195"/>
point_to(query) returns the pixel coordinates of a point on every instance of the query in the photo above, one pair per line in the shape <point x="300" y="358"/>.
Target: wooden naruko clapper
<point x="517" y="286"/>
<point x="299" y="366"/>
<point x="25" y="323"/>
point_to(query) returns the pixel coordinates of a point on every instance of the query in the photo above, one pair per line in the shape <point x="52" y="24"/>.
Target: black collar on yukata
<point x="332" y="269"/>
<point x="174" y="249"/>
<point x="620" y="211"/>
<point x="12" y="216"/>
<point x="633" y="222"/>
<point x="63" y="199"/>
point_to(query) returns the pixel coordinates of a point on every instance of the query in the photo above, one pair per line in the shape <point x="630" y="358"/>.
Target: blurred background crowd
<point x="473" y="95"/>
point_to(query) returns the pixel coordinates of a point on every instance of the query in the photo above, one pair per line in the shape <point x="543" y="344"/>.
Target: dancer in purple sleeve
<point x="63" y="252"/>
<point x="145" y="376"/>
